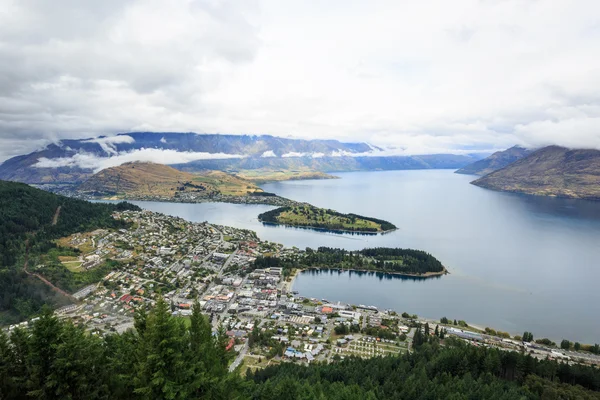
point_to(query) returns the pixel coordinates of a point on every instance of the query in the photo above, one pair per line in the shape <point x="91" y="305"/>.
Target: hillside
<point x="550" y="171"/>
<point x="139" y="180"/>
<point x="34" y="217"/>
<point x="74" y="161"/>
<point x="496" y="161"/>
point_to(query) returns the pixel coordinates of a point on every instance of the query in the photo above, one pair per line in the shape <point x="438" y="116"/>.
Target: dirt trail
<point x="56" y="214"/>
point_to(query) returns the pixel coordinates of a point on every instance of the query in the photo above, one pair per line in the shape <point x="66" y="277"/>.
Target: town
<point x="214" y="267"/>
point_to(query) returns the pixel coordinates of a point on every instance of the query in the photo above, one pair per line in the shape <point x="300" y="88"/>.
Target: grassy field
<point x="72" y="263"/>
<point x="367" y="349"/>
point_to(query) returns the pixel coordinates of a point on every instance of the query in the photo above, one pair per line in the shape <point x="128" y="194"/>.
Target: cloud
<point x="108" y="143"/>
<point x="269" y="153"/>
<point x="163" y="140"/>
<point x="471" y="75"/>
<point x="159" y="156"/>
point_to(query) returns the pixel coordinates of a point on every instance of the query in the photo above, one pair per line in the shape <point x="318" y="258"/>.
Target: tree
<point x="577" y="346"/>
<point x="527" y="337"/>
<point x="444" y="320"/>
<point x="565" y="344"/>
<point x="437" y="331"/>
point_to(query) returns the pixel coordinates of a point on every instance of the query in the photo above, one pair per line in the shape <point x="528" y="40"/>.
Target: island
<point x="308" y="216"/>
<point x="396" y="261"/>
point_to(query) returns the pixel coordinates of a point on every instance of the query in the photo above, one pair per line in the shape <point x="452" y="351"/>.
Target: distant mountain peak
<point x="496" y="161"/>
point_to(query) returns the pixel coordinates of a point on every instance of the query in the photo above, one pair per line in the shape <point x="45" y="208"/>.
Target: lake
<point x="517" y="262"/>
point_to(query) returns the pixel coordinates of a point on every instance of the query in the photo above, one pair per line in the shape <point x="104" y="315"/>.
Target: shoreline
<point x="426" y="275"/>
<point x="310" y="227"/>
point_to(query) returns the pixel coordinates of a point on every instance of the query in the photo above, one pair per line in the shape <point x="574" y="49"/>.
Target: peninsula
<point x="308" y="216"/>
<point x="157" y="182"/>
<point x="396" y="261"/>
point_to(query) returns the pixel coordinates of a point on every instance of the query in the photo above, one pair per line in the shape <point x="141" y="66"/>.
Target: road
<point x="239" y="358"/>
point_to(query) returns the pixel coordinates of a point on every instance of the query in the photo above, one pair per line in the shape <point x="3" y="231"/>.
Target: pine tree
<point x="163" y="372"/>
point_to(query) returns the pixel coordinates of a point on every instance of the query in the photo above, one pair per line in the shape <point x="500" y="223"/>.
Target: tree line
<point x="392" y="260"/>
<point x="165" y="358"/>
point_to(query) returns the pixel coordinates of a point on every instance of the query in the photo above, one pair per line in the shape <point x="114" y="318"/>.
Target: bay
<point x="517" y="262"/>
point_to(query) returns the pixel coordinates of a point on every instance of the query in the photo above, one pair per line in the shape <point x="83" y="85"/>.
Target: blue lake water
<point x="517" y="262"/>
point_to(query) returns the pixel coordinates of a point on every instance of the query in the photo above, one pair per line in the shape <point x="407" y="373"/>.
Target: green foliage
<point x="164" y="359"/>
<point x="458" y="371"/>
<point x="527" y="337"/>
<point x="27" y="217"/>
<point x="326" y="219"/>
<point x="382" y="259"/>
<point x="565" y="344"/>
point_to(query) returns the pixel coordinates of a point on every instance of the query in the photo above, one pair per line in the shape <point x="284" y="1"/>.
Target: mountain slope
<point x="29" y="220"/>
<point x="333" y="164"/>
<point x="496" y="161"/>
<point x="74" y="161"/>
<point x="550" y="171"/>
<point x="138" y="179"/>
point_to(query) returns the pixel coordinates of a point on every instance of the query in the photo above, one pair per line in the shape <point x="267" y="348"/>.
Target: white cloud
<point x="417" y="76"/>
<point x="294" y="154"/>
<point x="159" y="156"/>
<point x="108" y="143"/>
<point x="163" y="140"/>
<point x="269" y="153"/>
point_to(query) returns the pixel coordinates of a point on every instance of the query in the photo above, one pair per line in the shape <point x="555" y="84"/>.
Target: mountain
<point x="332" y="164"/>
<point x="142" y="179"/>
<point x="550" y="171"/>
<point x="74" y="161"/>
<point x="496" y="161"/>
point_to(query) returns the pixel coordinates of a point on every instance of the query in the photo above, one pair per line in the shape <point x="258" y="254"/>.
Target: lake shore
<point x="310" y="227"/>
<point x="423" y="276"/>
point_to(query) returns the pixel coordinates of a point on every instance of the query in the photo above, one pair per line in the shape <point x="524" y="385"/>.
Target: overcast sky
<point x="423" y="76"/>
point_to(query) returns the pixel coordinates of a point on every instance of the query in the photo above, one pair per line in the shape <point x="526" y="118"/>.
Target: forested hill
<point x="166" y="358"/>
<point x="33" y="216"/>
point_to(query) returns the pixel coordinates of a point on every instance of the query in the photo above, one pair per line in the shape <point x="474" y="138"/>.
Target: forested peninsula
<point x="308" y="216"/>
<point x="407" y="262"/>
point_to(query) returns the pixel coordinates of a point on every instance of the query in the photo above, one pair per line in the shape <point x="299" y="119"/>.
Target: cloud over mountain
<point x="424" y="77"/>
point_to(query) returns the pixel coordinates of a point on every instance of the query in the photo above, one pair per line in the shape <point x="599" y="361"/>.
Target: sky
<point x="420" y="77"/>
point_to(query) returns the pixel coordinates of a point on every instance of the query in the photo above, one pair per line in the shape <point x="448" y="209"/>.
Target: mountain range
<point x="550" y="171"/>
<point x="73" y="161"/>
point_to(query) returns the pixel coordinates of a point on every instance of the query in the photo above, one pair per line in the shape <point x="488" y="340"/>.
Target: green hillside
<point x="32" y="218"/>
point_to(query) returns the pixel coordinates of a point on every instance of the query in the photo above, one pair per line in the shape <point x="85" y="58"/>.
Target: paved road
<point x="239" y="358"/>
